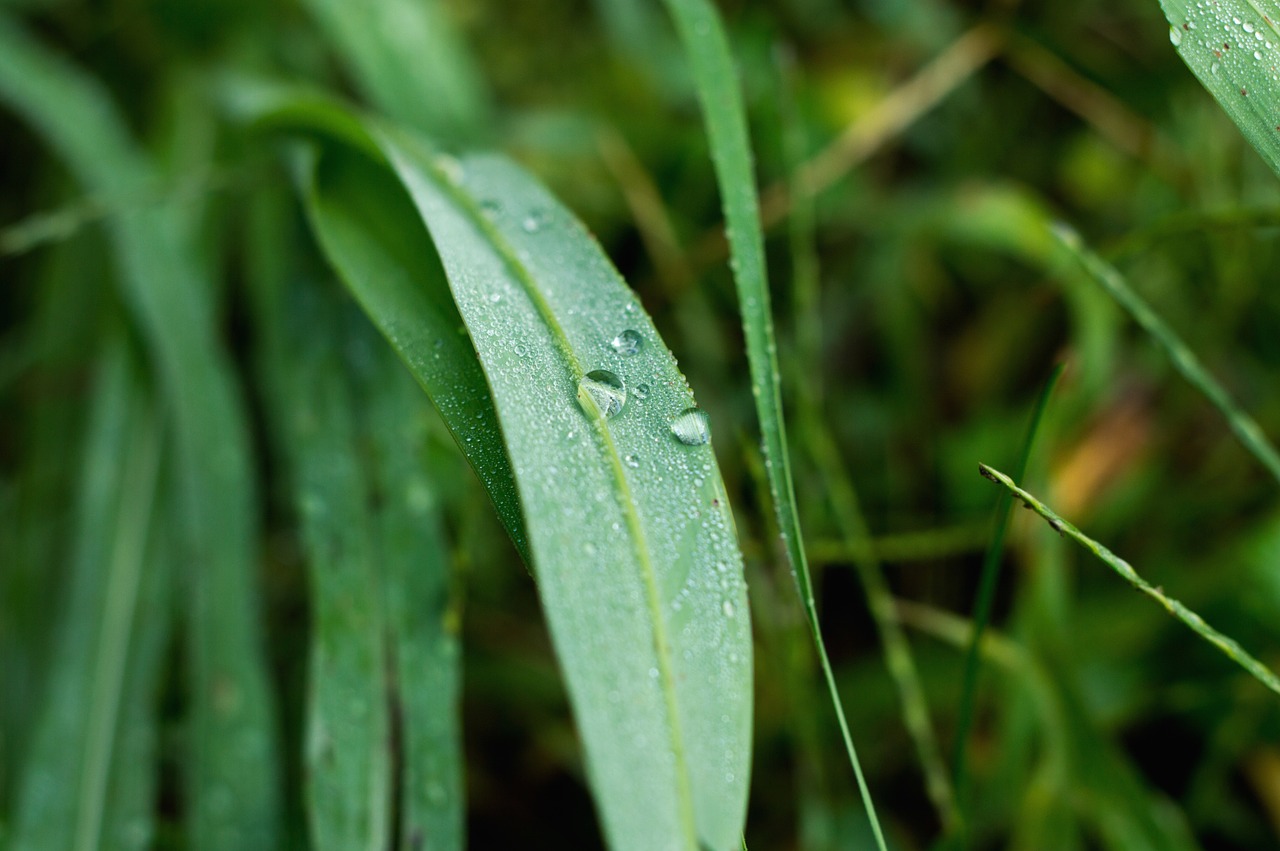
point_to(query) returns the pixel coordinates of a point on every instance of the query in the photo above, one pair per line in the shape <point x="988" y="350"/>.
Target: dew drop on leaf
<point x="602" y="393"/>
<point x="627" y="343"/>
<point x="692" y="427"/>
<point x="641" y="391"/>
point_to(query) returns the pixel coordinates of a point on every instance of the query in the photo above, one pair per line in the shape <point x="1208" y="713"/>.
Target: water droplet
<point x="1257" y="54"/>
<point x="602" y="393"/>
<point x="632" y="461"/>
<point x="450" y="167"/>
<point x="1249" y="28"/>
<point x="653" y="673"/>
<point x="1175" y="36"/>
<point x="692" y="427"/>
<point x="533" y="222"/>
<point x="494" y="298"/>
<point x="1213" y="69"/>
<point x="641" y="391"/>
<point x="627" y="343"/>
<point x="490" y="208"/>
<point x="728" y="609"/>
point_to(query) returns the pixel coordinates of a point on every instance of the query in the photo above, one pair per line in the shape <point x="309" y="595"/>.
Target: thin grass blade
<point x="348" y="740"/>
<point x="986" y="594"/>
<point x="1233" y="47"/>
<point x="233" y="791"/>
<point x="89" y="778"/>
<point x="724" y="115"/>
<point x="1227" y="645"/>
<point x="1245" y="427"/>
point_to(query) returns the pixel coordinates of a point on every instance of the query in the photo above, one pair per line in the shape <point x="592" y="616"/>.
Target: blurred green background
<point x="920" y="307"/>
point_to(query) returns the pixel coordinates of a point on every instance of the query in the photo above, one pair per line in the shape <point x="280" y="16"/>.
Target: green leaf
<point x="1233" y="47"/>
<point x="233" y="791"/>
<point x="1227" y="645"/>
<point x="372" y="234"/>
<point x="1245" y="427"/>
<point x="89" y="776"/>
<point x="725" y="117"/>
<point x="630" y="531"/>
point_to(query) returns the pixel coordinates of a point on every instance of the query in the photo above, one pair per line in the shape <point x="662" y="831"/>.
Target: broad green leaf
<point x="725" y="118"/>
<point x="632" y="540"/>
<point x="633" y="543"/>
<point x="1233" y="47"/>
<point x="89" y="776"/>
<point x="1227" y="645"/>
<point x="232" y="787"/>
<point x="409" y="62"/>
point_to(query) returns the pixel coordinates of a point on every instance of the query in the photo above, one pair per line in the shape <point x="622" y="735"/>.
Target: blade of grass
<point x="986" y="596"/>
<point x="710" y="59"/>
<point x="1245" y="427"/>
<point x="637" y="564"/>
<point x="88" y="781"/>
<point x="232" y="787"/>
<point x="1228" y="646"/>
<point x="348" y="738"/>
<point x="421" y="610"/>
<point x="1233" y="46"/>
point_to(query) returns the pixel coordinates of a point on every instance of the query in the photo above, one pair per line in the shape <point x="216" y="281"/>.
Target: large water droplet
<point x="1175" y="36"/>
<point x="602" y="393"/>
<point x="641" y="391"/>
<point x="692" y="427"/>
<point x="627" y="343"/>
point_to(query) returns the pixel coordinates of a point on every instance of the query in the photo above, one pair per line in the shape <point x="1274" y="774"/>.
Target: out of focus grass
<point x="919" y="304"/>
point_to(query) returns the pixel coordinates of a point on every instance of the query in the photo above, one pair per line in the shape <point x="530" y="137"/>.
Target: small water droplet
<point x="494" y="298"/>
<point x="632" y="461"/>
<point x="641" y="391"/>
<point x="627" y="343"/>
<point x="653" y="673"/>
<point x="533" y="221"/>
<point x="1257" y="54"/>
<point x="692" y="427"/>
<point x="602" y="393"/>
<point x="1175" y="36"/>
<point x="728" y="609"/>
<point x="450" y="167"/>
<point x="490" y="208"/>
<point x="1249" y="28"/>
<point x="1213" y="69"/>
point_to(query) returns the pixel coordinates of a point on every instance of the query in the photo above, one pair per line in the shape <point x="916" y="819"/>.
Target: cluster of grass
<point x="351" y="494"/>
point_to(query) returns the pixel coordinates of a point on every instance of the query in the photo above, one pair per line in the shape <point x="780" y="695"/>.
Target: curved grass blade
<point x="232" y="781"/>
<point x="89" y="778"/>
<point x="1245" y="427"/>
<point x="725" y="117"/>
<point x="1228" y="646"/>
<point x="371" y="233"/>
<point x="409" y="62"/>
<point x="637" y="562"/>
<point x="1233" y="47"/>
<point x="986" y="596"/>
<point x="629" y="528"/>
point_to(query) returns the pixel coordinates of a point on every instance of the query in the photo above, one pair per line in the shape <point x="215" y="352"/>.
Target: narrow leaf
<point x="724" y="115"/>
<point x="628" y="522"/>
<point x="1233" y="47"/>
<point x="1126" y="571"/>
<point x="1245" y="427"/>
<point x="90" y="774"/>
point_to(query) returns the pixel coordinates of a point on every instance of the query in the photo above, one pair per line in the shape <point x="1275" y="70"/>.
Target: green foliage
<point x="350" y="498"/>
